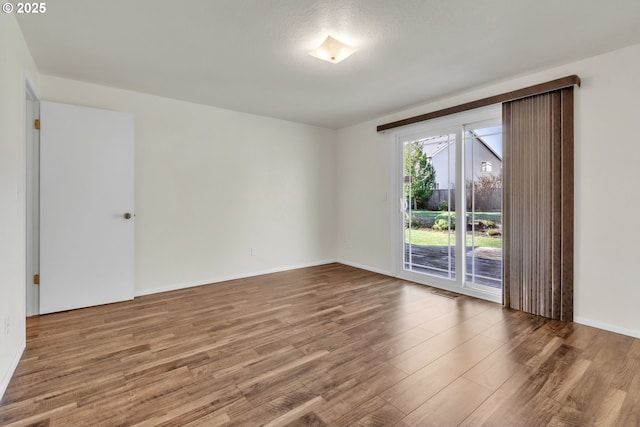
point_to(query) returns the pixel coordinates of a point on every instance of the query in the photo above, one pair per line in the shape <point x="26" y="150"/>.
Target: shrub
<point x="442" y="225"/>
<point x="480" y="225"/>
<point x="443" y="206"/>
<point x="487" y="223"/>
<point x="414" y="222"/>
<point x="442" y="221"/>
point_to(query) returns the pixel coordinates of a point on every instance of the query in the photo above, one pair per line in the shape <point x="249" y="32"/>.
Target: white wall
<point x="15" y="65"/>
<point x="607" y="235"/>
<point x="211" y="184"/>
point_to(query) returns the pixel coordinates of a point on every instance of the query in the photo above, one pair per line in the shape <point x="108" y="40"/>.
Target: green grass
<point x="492" y="216"/>
<point x="441" y="238"/>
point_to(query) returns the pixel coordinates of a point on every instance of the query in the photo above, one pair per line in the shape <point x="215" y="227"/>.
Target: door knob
<point x="127" y="215"/>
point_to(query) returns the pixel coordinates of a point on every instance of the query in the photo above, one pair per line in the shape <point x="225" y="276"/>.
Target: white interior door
<point x="86" y="193"/>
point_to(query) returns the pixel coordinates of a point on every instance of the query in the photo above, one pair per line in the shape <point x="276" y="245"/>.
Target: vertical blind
<point x="538" y="204"/>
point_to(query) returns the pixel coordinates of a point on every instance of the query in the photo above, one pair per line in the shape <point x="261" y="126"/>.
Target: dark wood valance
<point x="497" y="99"/>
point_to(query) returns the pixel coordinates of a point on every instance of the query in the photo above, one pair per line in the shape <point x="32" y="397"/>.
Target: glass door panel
<point x="483" y="182"/>
<point x="429" y="205"/>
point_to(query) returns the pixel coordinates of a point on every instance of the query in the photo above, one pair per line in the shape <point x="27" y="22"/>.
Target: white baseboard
<point x="607" y="327"/>
<point x="12" y="368"/>
<point x="366" y="267"/>
<point x="186" y="285"/>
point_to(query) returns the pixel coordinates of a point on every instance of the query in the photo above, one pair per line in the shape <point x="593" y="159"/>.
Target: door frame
<point x="32" y="199"/>
<point x="453" y="123"/>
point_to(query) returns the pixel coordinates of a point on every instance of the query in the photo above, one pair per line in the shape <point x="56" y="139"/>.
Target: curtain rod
<point x="484" y="102"/>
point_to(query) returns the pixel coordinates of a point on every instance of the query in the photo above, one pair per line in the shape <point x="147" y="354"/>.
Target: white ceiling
<point x="252" y="55"/>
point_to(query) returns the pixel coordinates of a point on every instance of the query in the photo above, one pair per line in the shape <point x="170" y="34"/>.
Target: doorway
<point x="450" y="186"/>
<point x="79" y="206"/>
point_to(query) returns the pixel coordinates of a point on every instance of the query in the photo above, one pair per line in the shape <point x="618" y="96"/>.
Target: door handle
<point x="127" y="215"/>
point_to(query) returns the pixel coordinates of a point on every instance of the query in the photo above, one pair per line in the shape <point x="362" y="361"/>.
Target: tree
<point x="421" y="175"/>
<point x="486" y="188"/>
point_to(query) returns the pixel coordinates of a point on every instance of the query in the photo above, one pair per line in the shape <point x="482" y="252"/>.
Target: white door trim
<point x="32" y="199"/>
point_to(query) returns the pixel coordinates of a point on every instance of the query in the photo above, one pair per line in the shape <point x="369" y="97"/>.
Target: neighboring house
<point x="484" y="160"/>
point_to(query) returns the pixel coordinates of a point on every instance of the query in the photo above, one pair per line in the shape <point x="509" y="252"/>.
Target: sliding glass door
<point x="450" y="185"/>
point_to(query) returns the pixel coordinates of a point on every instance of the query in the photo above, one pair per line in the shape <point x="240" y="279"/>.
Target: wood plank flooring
<point x="322" y="346"/>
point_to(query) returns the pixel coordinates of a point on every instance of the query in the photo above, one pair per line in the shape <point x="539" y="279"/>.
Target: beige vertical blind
<point x="538" y="204"/>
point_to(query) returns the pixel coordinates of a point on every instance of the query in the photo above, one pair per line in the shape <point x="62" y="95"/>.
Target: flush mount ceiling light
<point x="332" y="50"/>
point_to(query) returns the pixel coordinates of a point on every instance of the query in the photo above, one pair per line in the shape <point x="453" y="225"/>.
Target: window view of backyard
<point x="430" y="197"/>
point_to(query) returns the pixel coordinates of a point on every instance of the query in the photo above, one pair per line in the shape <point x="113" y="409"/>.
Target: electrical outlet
<point x="7" y="325"/>
<point x="253" y="251"/>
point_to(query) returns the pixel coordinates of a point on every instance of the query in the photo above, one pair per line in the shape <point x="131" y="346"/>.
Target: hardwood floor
<point x="322" y="346"/>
